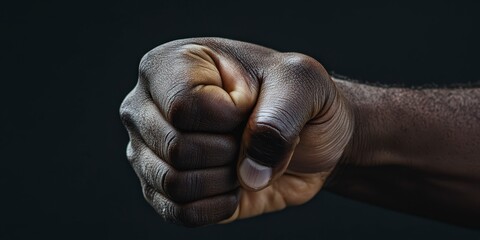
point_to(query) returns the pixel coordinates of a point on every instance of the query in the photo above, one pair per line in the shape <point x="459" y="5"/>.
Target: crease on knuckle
<point x="171" y="147"/>
<point x="159" y="174"/>
<point x="170" y="183"/>
<point x="173" y="96"/>
<point x="280" y="120"/>
<point x="148" y="193"/>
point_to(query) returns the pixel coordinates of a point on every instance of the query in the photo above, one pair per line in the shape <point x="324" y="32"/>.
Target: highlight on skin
<point x="222" y="130"/>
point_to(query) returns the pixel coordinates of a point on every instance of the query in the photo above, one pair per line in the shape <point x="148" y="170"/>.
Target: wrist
<point x="357" y="149"/>
<point x="369" y="134"/>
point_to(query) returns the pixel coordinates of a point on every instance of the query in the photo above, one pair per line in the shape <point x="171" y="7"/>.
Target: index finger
<point x="197" y="89"/>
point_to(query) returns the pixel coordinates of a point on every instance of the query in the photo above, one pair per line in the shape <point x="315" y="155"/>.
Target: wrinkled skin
<point x="201" y="106"/>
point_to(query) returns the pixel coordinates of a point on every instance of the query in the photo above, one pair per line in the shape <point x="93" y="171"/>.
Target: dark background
<point x="67" y="66"/>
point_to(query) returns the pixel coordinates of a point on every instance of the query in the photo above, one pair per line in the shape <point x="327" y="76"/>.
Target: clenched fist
<point x="221" y="130"/>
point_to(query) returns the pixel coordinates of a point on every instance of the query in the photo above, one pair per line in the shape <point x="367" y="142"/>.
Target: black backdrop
<point x="67" y="66"/>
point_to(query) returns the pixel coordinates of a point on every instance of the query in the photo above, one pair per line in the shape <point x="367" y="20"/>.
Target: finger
<point x="232" y="218"/>
<point x="288" y="99"/>
<point x="197" y="213"/>
<point x="183" y="151"/>
<point x="180" y="186"/>
<point x="197" y="89"/>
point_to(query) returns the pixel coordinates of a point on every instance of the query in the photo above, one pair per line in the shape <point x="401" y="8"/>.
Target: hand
<point x="221" y="129"/>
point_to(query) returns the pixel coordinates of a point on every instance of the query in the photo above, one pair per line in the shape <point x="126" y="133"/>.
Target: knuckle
<point x="307" y="73"/>
<point x="135" y="153"/>
<point x="300" y="63"/>
<point x="147" y="63"/>
<point x="131" y="153"/>
<point x="129" y="108"/>
<point x="126" y="114"/>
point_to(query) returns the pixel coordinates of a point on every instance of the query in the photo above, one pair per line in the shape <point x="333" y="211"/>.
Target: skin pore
<point x="222" y="130"/>
<point x="415" y="150"/>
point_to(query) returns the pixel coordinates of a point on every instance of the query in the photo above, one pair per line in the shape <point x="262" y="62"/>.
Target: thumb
<point x="285" y="104"/>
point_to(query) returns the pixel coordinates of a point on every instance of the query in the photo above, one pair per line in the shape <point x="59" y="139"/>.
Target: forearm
<point x="416" y="151"/>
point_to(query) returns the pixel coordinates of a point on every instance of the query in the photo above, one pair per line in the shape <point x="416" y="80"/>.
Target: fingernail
<point x="253" y="174"/>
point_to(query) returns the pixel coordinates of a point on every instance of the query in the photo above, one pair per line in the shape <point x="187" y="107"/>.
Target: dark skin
<point x="222" y="130"/>
<point x="416" y="151"/>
